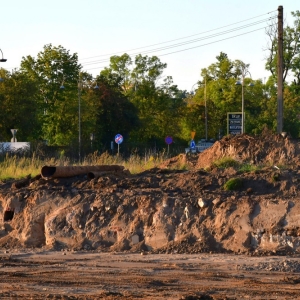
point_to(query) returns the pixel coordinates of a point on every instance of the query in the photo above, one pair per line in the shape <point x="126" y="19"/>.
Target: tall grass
<point x="19" y="167"/>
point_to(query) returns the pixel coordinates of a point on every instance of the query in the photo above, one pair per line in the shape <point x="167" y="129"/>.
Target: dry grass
<point x="20" y="167"/>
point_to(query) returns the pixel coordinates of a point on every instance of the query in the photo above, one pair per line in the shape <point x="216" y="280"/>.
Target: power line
<point x="186" y="49"/>
<point x="125" y="51"/>
<point x="214" y="41"/>
<point x="185" y="43"/>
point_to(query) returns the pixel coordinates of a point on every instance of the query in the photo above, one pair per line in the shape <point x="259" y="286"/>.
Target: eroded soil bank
<point x="165" y="210"/>
<point x="165" y="233"/>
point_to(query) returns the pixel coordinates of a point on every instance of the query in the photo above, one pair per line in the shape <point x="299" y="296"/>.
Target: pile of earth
<point x="166" y="209"/>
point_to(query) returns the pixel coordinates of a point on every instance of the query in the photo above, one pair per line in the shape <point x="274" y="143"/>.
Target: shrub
<point x="233" y="184"/>
<point x="226" y="162"/>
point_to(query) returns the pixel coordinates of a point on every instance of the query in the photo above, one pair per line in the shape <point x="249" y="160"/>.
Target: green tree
<point x="53" y="69"/>
<point x="291" y="49"/>
<point x="114" y="113"/>
<point x="18" y="109"/>
<point x="291" y="72"/>
<point x="118" y="73"/>
<point x="159" y="107"/>
<point x="222" y="96"/>
<point x="219" y="93"/>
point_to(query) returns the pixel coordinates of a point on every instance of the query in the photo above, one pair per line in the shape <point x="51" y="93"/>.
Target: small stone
<point x="202" y="203"/>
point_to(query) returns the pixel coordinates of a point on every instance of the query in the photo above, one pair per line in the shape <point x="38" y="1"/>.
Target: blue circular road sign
<point x="118" y="139"/>
<point x="169" y="140"/>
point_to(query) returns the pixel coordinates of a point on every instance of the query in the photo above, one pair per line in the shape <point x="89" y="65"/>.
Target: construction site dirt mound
<point x="166" y="209"/>
<point x="264" y="149"/>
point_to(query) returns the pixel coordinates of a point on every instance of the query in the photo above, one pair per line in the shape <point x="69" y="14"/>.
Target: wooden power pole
<point x="280" y="71"/>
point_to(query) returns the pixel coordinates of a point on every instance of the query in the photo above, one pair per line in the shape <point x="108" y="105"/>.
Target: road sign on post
<point x="234" y="122"/>
<point x="193" y="144"/>
<point x="118" y="140"/>
<point x="169" y="141"/>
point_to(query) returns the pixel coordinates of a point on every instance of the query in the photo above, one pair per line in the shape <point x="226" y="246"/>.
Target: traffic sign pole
<point x="118" y="140"/>
<point x="168" y="140"/>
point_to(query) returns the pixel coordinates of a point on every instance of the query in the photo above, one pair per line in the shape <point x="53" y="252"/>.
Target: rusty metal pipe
<point x="96" y="175"/>
<point x="48" y="172"/>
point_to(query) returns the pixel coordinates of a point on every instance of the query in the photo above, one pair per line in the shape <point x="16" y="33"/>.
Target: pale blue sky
<point x="99" y="27"/>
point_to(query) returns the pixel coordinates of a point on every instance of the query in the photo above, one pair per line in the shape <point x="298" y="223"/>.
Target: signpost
<point x="193" y="145"/>
<point x="118" y="140"/>
<point x="234" y="122"/>
<point x="193" y="134"/>
<point x="169" y="141"/>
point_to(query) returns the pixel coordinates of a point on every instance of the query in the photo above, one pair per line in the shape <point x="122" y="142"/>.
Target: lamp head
<point x="238" y="83"/>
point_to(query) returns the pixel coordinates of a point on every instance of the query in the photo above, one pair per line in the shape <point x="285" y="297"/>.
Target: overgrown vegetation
<point x="226" y="162"/>
<point x="246" y="167"/>
<point x="20" y="167"/>
<point x="233" y="184"/>
<point x="243" y="167"/>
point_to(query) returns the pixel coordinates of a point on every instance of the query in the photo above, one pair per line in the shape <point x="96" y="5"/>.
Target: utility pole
<point x="205" y="110"/>
<point x="79" y="116"/>
<point x="280" y="71"/>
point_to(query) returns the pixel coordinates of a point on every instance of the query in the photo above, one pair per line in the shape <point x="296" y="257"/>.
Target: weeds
<point x="20" y="167"/>
<point x="233" y="184"/>
<point x="248" y="168"/>
<point x="226" y="162"/>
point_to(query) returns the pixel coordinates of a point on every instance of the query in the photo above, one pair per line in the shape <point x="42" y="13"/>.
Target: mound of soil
<point x="165" y="210"/>
<point x="265" y="149"/>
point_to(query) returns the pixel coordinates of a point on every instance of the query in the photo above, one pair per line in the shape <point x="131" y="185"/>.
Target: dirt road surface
<point x="95" y="275"/>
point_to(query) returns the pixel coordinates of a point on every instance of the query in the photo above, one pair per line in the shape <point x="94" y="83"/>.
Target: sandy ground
<point x="116" y="275"/>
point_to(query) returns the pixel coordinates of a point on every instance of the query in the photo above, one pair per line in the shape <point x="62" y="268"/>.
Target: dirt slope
<point x="165" y="210"/>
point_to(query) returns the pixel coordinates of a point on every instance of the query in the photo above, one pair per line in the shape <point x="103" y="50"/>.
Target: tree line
<point x="50" y="99"/>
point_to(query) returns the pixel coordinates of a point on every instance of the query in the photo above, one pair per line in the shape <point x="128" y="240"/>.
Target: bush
<point x="233" y="184"/>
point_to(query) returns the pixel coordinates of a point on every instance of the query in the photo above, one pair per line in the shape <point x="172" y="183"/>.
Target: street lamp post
<point x="244" y="72"/>
<point x="2" y="59"/>
<point x="80" y="86"/>
<point x="92" y="138"/>
<point x="205" y="106"/>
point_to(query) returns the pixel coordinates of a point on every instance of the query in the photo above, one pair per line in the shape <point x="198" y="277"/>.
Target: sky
<point x="98" y="29"/>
